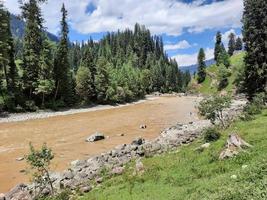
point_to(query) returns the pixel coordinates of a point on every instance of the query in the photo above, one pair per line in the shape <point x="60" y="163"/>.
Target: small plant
<point x="211" y="134"/>
<point x="256" y="105"/>
<point x="212" y="108"/>
<point x="39" y="161"/>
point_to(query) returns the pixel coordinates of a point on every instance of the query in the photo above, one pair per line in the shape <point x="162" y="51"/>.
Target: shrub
<point x="256" y="105"/>
<point x="30" y="106"/>
<point x="212" y="108"/>
<point x="211" y="134"/>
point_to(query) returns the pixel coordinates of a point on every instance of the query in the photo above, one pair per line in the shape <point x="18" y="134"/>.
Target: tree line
<point x="121" y="67"/>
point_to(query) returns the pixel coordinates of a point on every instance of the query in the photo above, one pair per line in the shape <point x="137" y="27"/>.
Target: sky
<point x="185" y="25"/>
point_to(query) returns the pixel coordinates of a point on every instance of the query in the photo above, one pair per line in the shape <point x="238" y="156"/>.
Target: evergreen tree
<point x="201" y="66"/>
<point x="62" y="73"/>
<point x="223" y="57"/>
<point x="218" y="44"/>
<point x="238" y="44"/>
<point x="255" y="34"/>
<point x="231" y="44"/>
<point x="32" y="44"/>
<point x="102" y="79"/>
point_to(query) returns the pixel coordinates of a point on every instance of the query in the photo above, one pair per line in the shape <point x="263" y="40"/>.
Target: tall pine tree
<point x="231" y="44"/>
<point x="62" y="73"/>
<point x="255" y="37"/>
<point x="32" y="44"/>
<point x="201" y="66"/>
<point x="238" y="44"/>
<point x="218" y="44"/>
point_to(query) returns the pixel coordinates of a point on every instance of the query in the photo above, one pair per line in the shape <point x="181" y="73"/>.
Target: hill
<point x="210" y="85"/>
<point x="18" y="28"/>
<point x="193" y="68"/>
<point x="189" y="174"/>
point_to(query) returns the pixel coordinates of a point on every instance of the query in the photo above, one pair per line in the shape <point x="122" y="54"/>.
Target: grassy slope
<point x="188" y="174"/>
<point x="209" y="85"/>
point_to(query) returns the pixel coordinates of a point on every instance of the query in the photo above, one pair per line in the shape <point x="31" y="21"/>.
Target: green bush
<point x="30" y="106"/>
<point x="256" y="105"/>
<point x="211" y="135"/>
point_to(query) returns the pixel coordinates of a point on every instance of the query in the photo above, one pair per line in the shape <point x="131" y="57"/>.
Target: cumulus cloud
<point x="160" y="16"/>
<point x="191" y="59"/>
<point x="180" y="45"/>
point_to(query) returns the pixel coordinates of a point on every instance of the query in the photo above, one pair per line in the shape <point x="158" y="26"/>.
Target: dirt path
<point x="66" y="134"/>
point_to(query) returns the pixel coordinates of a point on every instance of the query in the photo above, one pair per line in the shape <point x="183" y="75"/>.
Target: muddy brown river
<point x="66" y="134"/>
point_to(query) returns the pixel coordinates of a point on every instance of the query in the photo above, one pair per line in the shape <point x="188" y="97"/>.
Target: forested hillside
<point x="123" y="66"/>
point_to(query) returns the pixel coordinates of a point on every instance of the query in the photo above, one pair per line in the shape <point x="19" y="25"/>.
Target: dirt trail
<point x="66" y="134"/>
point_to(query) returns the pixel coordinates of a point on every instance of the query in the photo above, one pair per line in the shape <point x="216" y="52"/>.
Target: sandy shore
<point x="17" y="117"/>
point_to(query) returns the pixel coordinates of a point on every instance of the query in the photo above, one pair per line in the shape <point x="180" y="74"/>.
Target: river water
<point x="66" y="134"/>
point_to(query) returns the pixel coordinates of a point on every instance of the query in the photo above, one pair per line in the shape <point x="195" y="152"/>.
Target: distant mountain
<point x="18" y="28"/>
<point x="193" y="68"/>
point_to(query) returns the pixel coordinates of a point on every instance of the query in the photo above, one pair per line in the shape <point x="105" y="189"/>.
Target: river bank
<point x="66" y="134"/>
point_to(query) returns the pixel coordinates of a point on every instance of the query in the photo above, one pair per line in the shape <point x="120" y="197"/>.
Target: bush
<point x="55" y="105"/>
<point x="211" y="134"/>
<point x="30" y="106"/>
<point x="256" y="105"/>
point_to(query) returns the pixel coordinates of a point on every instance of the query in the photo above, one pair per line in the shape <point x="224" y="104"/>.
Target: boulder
<point x="117" y="171"/>
<point x="20" y="159"/>
<point x="143" y="126"/>
<point x="95" y="137"/>
<point x="2" y="197"/>
<point x="20" y="192"/>
<point x="85" y="189"/>
<point x="138" y="141"/>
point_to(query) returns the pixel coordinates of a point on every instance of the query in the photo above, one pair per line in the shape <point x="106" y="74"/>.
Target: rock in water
<point x="138" y="141"/>
<point x="143" y="126"/>
<point x="95" y="137"/>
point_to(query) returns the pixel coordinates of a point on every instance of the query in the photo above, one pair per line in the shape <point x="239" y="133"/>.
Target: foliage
<point x="201" y="66"/>
<point x="223" y="76"/>
<point x="254" y="31"/>
<point x="211" y="134"/>
<point x="218" y="44"/>
<point x="212" y="108"/>
<point x="39" y="161"/>
<point x="187" y="174"/>
<point x="256" y="105"/>
<point x="238" y="44"/>
<point x="223" y="57"/>
<point x="231" y="44"/>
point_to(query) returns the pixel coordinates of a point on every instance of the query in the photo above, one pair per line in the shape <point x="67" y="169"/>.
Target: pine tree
<point x="223" y="57"/>
<point x="231" y="44"/>
<point x="102" y="79"/>
<point x="255" y="34"/>
<point x="238" y="44"/>
<point x="32" y="44"/>
<point x="201" y="66"/>
<point x="62" y="73"/>
<point x="218" y="44"/>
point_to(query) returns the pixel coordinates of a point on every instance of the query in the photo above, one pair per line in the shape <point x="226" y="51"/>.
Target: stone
<point x="138" y="141"/>
<point x="117" y="171"/>
<point x="139" y="166"/>
<point x="20" y="159"/>
<point x="19" y="192"/>
<point x="2" y="197"/>
<point x="85" y="189"/>
<point x="99" y="180"/>
<point x="143" y="126"/>
<point x="95" y="137"/>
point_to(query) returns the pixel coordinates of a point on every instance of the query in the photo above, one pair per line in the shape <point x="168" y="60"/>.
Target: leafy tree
<point x="254" y="32"/>
<point x="231" y="44"/>
<point x="238" y="44"/>
<point x="212" y="108"/>
<point x="218" y="44"/>
<point x="39" y="161"/>
<point x="84" y="84"/>
<point x="62" y="73"/>
<point x="201" y="66"/>
<point x="45" y="87"/>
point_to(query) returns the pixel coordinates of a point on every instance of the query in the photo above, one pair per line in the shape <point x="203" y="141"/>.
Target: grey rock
<point x="117" y="171"/>
<point x="95" y="137"/>
<point x="138" y="141"/>
<point x="20" y="192"/>
<point x="2" y="197"/>
<point x="85" y="189"/>
<point x="20" y="159"/>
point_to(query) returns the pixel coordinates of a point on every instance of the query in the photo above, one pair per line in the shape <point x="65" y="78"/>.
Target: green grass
<point x="188" y="174"/>
<point x="209" y="86"/>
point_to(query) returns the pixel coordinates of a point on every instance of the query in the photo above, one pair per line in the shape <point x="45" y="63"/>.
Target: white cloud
<point x="160" y="16"/>
<point x="191" y="59"/>
<point x="180" y="45"/>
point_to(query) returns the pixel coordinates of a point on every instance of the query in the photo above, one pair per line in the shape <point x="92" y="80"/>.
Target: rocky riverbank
<point x="82" y="172"/>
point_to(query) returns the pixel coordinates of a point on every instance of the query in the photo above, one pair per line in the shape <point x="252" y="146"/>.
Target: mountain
<point x="193" y="68"/>
<point x="18" y="28"/>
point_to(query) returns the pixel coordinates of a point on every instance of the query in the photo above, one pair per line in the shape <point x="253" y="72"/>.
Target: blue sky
<point x="185" y="25"/>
